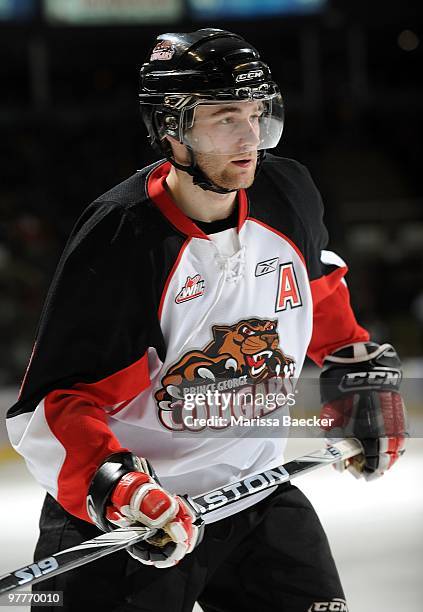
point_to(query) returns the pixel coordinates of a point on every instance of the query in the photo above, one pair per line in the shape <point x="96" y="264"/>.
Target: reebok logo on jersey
<point x="267" y="266"/>
<point x="194" y="287"/>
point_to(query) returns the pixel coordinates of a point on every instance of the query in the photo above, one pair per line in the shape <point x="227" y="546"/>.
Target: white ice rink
<point x="375" y="529"/>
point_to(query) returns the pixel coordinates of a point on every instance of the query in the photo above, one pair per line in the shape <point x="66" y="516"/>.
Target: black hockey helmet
<point x="209" y="66"/>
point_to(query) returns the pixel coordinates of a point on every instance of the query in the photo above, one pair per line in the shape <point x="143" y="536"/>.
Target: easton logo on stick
<point x="230" y="493"/>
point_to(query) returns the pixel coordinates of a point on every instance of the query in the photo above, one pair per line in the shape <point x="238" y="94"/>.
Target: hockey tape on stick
<point x="118" y="539"/>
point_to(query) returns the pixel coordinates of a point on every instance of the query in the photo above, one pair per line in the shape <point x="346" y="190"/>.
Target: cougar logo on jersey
<point x="194" y="287"/>
<point x="247" y="350"/>
<point x="336" y="605"/>
<point x="164" y="50"/>
<point x="250" y="347"/>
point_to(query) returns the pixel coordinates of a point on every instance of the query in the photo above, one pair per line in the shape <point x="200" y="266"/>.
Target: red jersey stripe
<point x="77" y="419"/>
<point x="334" y="323"/>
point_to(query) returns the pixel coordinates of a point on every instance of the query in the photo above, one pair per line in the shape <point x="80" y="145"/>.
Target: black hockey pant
<point x="272" y="556"/>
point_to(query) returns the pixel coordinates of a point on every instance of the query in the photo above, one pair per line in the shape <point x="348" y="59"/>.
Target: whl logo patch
<point x="193" y="288"/>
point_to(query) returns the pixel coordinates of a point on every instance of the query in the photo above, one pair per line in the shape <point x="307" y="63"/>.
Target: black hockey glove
<point x="359" y="388"/>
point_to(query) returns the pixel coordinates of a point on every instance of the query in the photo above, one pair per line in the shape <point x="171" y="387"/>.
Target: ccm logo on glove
<point x="376" y="377"/>
<point x="359" y="388"/>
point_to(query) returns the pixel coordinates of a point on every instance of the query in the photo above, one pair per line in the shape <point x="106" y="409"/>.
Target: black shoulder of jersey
<point x="105" y="257"/>
<point x="130" y="199"/>
<point x="285" y="197"/>
<point x="132" y="190"/>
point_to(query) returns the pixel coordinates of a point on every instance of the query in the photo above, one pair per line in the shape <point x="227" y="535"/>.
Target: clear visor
<point x="234" y="128"/>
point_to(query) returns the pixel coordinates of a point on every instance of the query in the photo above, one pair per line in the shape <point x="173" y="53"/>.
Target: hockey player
<point x="208" y="266"/>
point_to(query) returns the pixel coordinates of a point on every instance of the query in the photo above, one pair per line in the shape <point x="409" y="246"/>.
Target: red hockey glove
<point x="138" y="498"/>
<point x="360" y="392"/>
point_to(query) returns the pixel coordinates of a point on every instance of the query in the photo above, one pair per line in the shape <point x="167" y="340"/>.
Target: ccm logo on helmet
<point x="248" y="76"/>
<point x="336" y="605"/>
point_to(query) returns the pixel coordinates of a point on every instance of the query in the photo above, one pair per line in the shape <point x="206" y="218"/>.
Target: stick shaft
<point x="119" y="539"/>
<point x="229" y="494"/>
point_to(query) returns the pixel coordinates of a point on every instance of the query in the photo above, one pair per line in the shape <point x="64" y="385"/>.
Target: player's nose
<point x="249" y="135"/>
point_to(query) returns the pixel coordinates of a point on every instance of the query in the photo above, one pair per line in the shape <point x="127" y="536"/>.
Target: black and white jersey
<point x="144" y="302"/>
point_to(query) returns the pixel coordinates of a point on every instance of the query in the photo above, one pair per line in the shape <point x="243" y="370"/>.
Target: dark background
<point x="352" y="82"/>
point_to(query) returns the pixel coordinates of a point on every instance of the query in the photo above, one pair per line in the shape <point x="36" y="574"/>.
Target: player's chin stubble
<point x="222" y="174"/>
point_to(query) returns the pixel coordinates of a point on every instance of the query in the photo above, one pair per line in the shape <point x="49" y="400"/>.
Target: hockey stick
<point x="118" y="539"/>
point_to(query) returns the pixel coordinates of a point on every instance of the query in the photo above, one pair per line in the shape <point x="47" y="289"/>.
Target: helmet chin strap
<point x="200" y="178"/>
